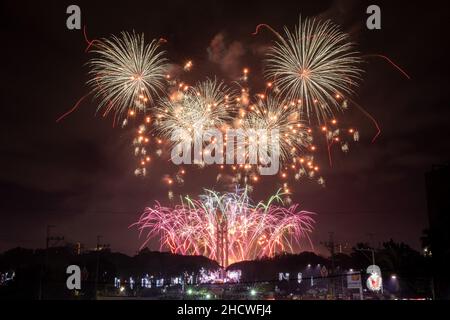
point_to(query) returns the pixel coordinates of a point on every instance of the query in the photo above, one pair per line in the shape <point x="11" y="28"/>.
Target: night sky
<point x="78" y="174"/>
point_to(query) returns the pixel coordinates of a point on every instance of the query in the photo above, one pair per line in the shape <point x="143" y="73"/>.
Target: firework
<point x="126" y="73"/>
<point x="193" y="109"/>
<point x="313" y="65"/>
<point x="270" y="114"/>
<point x="312" y="72"/>
<point x="227" y="227"/>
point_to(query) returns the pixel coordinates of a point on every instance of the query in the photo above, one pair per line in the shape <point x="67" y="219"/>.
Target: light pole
<point x="373" y="262"/>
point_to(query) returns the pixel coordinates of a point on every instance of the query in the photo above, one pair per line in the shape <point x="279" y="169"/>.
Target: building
<point x="438" y="200"/>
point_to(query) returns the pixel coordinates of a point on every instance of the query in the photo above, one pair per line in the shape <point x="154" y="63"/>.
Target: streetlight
<point x="253" y="292"/>
<point x="395" y="284"/>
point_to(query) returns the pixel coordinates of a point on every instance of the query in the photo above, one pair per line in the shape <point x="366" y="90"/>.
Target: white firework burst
<point x="314" y="65"/>
<point x="126" y="73"/>
<point x="272" y="113"/>
<point x="208" y="105"/>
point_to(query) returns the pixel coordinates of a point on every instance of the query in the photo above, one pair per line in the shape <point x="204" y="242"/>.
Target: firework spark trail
<point x="89" y="43"/>
<point x="330" y="161"/>
<point x="313" y="64"/>
<point x="261" y="25"/>
<point x="371" y="118"/>
<point x="396" y="66"/>
<point x="251" y="231"/>
<point x="75" y="107"/>
<point x="392" y="63"/>
<point x="124" y="69"/>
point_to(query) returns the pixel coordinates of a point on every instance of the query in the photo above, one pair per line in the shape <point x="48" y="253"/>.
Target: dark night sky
<point x="78" y="174"/>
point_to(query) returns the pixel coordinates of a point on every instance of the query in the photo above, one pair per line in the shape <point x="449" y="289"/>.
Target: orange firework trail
<point x="73" y="109"/>
<point x="392" y="63"/>
<point x="263" y="25"/>
<point x="89" y="43"/>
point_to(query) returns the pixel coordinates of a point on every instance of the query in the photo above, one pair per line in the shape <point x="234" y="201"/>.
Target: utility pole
<point x="330" y="245"/>
<point x="99" y="248"/>
<point x="48" y="240"/>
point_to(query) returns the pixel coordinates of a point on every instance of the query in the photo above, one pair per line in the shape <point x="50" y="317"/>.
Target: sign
<point x="354" y="280"/>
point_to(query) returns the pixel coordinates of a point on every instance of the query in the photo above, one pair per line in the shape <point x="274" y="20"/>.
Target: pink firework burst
<point x="227" y="227"/>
